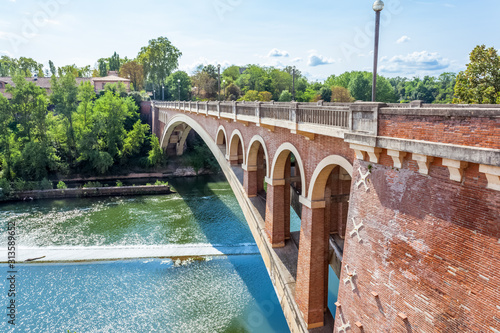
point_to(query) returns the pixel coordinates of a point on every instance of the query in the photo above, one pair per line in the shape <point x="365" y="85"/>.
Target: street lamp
<point x="154" y="94"/>
<point x="179" y="88"/>
<point x="218" y="81"/>
<point x="293" y="84"/>
<point x="224" y="83"/>
<point x="377" y="7"/>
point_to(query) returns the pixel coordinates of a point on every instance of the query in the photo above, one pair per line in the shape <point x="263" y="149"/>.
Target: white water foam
<point x="93" y="253"/>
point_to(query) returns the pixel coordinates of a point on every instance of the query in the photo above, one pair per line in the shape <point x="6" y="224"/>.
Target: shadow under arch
<point x="279" y="163"/>
<point x="236" y="150"/>
<point x="221" y="139"/>
<point x="253" y="150"/>
<point x="321" y="173"/>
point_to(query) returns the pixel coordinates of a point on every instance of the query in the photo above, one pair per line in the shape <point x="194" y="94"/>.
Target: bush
<point x="159" y="183"/>
<point x="5" y="187"/>
<point x="45" y="184"/>
<point x="19" y="184"/>
<point x="92" y="184"/>
<point x="61" y="185"/>
<point x="119" y="183"/>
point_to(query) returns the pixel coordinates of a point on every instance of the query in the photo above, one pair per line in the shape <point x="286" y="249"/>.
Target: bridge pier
<point x="275" y="209"/>
<point x="250" y="181"/>
<point x="312" y="274"/>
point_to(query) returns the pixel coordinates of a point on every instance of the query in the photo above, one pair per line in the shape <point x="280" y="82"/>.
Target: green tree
<point x="285" y="96"/>
<point x="53" y="70"/>
<point x="103" y="67"/>
<point x="480" y="82"/>
<point x="134" y="72"/>
<point x="64" y="97"/>
<point x="159" y="59"/>
<point x="156" y="156"/>
<point x="173" y="85"/>
<point x="114" y="62"/>
<point x="359" y="87"/>
<point x="341" y="95"/>
<point x="134" y="140"/>
<point x="7" y="139"/>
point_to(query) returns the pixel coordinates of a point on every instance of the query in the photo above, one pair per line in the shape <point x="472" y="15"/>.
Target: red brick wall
<point x="430" y="250"/>
<point x="477" y="132"/>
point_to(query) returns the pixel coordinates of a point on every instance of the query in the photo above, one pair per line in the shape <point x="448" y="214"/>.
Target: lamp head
<point x="378" y="5"/>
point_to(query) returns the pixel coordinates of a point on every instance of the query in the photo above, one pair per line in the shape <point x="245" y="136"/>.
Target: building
<point x="44" y="82"/>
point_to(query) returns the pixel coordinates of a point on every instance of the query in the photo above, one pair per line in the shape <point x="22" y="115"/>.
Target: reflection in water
<point x="226" y="294"/>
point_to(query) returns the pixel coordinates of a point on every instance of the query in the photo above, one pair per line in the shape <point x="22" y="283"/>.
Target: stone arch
<point x="321" y="173"/>
<point x="180" y="119"/>
<point x="234" y="154"/>
<point x="253" y="147"/>
<point x="279" y="161"/>
<point x="221" y="135"/>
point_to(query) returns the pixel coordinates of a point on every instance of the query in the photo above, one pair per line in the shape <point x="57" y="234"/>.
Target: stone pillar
<point x="311" y="273"/>
<point x="275" y="218"/>
<point x="286" y="203"/>
<point x="250" y="177"/>
<point x="261" y="170"/>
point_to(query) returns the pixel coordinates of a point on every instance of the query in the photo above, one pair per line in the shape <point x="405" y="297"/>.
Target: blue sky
<point x="320" y="37"/>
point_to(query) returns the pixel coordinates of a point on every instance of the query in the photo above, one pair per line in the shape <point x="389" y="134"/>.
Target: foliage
<point x="61" y="185"/>
<point x="341" y="95"/>
<point x="135" y="73"/>
<point x="45" y="184"/>
<point x="92" y="185"/>
<point x="156" y="156"/>
<point x="480" y="82"/>
<point x="285" y="96"/>
<point x="160" y="183"/>
<point x="159" y="59"/>
<point x="5" y="187"/>
<point x="173" y="86"/>
<point x="119" y="183"/>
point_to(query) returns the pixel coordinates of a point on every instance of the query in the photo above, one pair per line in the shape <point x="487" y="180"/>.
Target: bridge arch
<point x="237" y="155"/>
<point x="253" y="150"/>
<point x="279" y="161"/>
<point x="321" y="173"/>
<point x="221" y="136"/>
<point x="180" y="119"/>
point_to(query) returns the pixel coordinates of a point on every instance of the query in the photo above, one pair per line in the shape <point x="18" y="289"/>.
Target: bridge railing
<point x="337" y="115"/>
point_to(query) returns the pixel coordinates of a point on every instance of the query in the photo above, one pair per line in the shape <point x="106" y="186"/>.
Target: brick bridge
<point x="403" y="201"/>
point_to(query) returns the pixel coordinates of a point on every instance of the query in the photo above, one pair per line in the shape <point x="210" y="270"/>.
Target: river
<point x="199" y="291"/>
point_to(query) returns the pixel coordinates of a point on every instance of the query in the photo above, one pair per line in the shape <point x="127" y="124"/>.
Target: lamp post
<point x="179" y="88"/>
<point x="154" y="94"/>
<point x="162" y="92"/>
<point x="224" y="84"/>
<point x="377" y="7"/>
<point x="218" y="81"/>
<point x="293" y="84"/>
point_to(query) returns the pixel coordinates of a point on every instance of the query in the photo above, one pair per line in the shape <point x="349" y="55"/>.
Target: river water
<point x="229" y="293"/>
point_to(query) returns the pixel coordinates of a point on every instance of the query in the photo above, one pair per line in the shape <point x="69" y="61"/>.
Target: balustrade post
<point x="206" y="108"/>
<point x="235" y="110"/>
<point x="257" y="110"/>
<point x="197" y="107"/>
<point x="218" y="109"/>
<point x="189" y="106"/>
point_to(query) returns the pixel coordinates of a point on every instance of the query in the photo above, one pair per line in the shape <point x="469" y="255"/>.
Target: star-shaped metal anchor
<point x="363" y="179"/>
<point x="356" y="229"/>
<point x="343" y="328"/>
<point x="349" y="277"/>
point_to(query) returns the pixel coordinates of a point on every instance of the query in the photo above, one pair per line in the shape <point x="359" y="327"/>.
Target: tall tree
<point x="53" y="70"/>
<point x="173" y="85"/>
<point x="159" y="59"/>
<point x="134" y="72"/>
<point x="480" y="82"/>
<point x="114" y="62"/>
<point x="103" y="67"/>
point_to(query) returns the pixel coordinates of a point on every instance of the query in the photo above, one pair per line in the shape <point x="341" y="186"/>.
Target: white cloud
<point x="278" y="53"/>
<point x="403" y="39"/>
<point x="318" y="60"/>
<point x="7" y="53"/>
<point x="191" y="68"/>
<point x="415" y="62"/>
<point x="297" y="59"/>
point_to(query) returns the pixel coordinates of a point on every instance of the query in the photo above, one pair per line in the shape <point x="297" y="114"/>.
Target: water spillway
<point x="126" y="264"/>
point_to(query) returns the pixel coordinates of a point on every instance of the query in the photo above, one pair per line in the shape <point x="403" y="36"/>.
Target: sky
<point x="319" y="37"/>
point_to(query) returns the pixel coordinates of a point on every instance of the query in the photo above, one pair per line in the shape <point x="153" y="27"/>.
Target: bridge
<point x="402" y="200"/>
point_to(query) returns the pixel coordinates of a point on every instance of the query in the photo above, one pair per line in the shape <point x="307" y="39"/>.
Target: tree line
<point x="74" y="130"/>
<point x="154" y="70"/>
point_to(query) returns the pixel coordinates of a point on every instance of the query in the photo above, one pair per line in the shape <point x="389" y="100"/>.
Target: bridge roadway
<point x="412" y="190"/>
